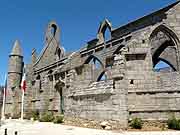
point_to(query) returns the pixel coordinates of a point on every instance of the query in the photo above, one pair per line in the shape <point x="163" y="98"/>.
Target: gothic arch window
<point x="38" y="77"/>
<point x="104" y="31"/>
<point x="50" y="75"/>
<point x="92" y="67"/>
<point x="107" y="35"/>
<point x="164" y="43"/>
<point x="95" y="61"/>
<point x="53" y="29"/>
<point x="38" y="80"/>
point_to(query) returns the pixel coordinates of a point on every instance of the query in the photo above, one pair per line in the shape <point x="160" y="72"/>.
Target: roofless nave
<point x="108" y="79"/>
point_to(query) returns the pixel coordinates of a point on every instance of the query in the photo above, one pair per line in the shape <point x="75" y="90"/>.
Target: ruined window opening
<point x="53" y="29"/>
<point x="94" y="61"/>
<point x="162" y="66"/>
<point x="164" y="49"/>
<point x="38" y="77"/>
<point x="131" y="81"/>
<point x="50" y="76"/>
<point x="107" y="34"/>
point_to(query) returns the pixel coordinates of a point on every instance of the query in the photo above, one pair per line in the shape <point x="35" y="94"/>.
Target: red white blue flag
<point x="23" y="82"/>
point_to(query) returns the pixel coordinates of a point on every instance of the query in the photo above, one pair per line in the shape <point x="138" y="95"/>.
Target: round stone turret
<point x="14" y="78"/>
<point x="16" y="49"/>
<point x="16" y="59"/>
<point x="15" y="67"/>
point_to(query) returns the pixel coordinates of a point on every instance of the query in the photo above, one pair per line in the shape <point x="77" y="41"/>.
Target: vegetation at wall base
<point x="47" y="117"/>
<point x="59" y="119"/>
<point x="35" y="115"/>
<point x="174" y="123"/>
<point x="136" y="123"/>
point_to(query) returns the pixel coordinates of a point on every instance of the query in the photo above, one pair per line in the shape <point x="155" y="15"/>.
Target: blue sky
<point x="79" y="20"/>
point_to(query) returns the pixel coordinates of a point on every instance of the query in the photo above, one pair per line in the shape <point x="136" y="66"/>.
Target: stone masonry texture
<point x="112" y="79"/>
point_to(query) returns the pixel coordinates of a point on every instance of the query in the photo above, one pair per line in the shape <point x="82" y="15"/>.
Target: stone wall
<point x="73" y="83"/>
<point x="158" y="102"/>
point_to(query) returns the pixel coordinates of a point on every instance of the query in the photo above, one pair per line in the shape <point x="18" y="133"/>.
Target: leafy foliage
<point x="35" y="115"/>
<point x="136" y="123"/>
<point x="47" y="117"/>
<point x="173" y="123"/>
<point x="59" y="119"/>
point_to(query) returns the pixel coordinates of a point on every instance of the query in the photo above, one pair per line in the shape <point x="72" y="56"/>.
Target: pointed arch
<point x="94" y="58"/>
<point x="105" y="25"/>
<point x="164" y="46"/>
<point x="53" y="31"/>
<point x="164" y="28"/>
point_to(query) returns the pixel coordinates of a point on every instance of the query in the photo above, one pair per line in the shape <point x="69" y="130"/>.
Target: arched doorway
<point x="59" y="88"/>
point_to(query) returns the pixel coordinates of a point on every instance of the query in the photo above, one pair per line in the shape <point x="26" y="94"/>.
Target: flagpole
<point x="23" y="88"/>
<point x="4" y="99"/>
<point x="22" y="105"/>
<point x="3" y="107"/>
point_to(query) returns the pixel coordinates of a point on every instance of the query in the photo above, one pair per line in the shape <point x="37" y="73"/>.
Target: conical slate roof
<point x="16" y="49"/>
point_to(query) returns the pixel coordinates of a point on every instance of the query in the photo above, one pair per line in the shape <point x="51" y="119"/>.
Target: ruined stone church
<point x="107" y="79"/>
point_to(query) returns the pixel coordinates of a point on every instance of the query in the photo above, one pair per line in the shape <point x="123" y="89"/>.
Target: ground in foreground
<point x="44" y="128"/>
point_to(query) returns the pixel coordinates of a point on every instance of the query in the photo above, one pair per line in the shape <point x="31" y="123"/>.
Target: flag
<point x="23" y="88"/>
<point x="23" y="82"/>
